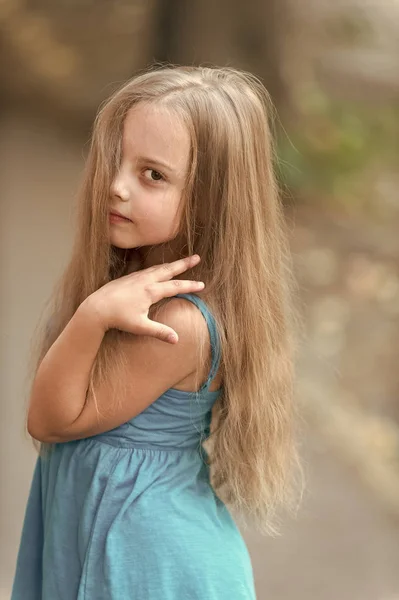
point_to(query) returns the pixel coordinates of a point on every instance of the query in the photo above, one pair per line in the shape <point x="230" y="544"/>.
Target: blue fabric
<point x="130" y="514"/>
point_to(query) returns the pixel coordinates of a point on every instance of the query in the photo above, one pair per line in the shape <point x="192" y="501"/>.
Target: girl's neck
<point x="162" y="253"/>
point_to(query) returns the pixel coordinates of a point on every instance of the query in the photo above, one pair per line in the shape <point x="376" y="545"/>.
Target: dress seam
<point x="154" y="449"/>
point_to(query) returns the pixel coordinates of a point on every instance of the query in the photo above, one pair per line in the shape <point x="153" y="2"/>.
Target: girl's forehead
<point x="152" y="131"/>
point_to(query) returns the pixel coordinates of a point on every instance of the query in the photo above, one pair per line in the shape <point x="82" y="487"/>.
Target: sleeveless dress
<point x="130" y="514"/>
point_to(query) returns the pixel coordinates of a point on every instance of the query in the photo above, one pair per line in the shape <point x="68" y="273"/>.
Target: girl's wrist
<point x="90" y="311"/>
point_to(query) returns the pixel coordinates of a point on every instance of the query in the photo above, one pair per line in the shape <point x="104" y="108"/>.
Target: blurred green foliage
<point x="337" y="149"/>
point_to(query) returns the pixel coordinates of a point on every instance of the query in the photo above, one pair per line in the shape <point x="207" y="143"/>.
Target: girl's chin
<point x="122" y="243"/>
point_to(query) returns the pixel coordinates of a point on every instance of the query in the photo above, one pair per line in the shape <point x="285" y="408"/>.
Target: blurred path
<point x="341" y="547"/>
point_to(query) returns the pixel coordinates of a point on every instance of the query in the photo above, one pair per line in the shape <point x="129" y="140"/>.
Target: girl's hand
<point x="124" y="302"/>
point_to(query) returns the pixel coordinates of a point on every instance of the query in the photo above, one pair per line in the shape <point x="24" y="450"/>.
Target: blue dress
<point x="130" y="514"/>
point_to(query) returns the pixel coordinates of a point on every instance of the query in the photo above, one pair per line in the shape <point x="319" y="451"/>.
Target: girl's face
<point x="147" y="190"/>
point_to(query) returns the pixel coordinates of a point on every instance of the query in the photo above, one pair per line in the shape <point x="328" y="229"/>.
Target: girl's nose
<point x="118" y="190"/>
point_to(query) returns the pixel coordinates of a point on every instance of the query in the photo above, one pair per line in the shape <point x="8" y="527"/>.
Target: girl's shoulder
<point x="186" y="311"/>
<point x="200" y="325"/>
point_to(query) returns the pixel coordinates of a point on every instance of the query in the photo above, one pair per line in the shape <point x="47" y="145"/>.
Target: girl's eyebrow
<point x="156" y="162"/>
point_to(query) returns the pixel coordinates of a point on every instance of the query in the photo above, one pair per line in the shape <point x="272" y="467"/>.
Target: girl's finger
<point x="170" y="270"/>
<point x="160" y="331"/>
<point x="167" y="289"/>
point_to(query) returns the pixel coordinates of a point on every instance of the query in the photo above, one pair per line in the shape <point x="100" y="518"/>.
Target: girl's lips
<point x="115" y="218"/>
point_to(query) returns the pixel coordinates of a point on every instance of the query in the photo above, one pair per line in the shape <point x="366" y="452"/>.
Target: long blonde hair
<point x="233" y="218"/>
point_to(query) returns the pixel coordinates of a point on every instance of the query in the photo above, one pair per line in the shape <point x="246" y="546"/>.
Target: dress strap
<point x="213" y="334"/>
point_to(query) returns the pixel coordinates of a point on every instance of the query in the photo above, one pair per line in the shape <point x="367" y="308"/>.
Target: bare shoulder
<point x="185" y="318"/>
<point x="177" y="308"/>
<point x="190" y="325"/>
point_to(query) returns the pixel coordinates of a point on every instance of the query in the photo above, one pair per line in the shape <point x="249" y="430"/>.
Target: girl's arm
<point x="59" y="410"/>
<point x="59" y="389"/>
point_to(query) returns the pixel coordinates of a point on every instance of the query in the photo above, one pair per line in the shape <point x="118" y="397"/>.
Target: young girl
<point x="175" y="302"/>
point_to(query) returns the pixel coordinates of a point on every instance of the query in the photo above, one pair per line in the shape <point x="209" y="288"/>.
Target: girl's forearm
<point x="59" y="390"/>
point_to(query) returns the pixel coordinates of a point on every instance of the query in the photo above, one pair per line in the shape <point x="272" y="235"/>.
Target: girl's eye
<point x="154" y="175"/>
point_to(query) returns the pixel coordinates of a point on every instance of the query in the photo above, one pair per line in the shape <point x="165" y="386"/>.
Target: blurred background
<point x="332" y="70"/>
